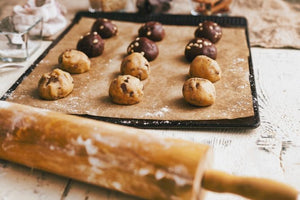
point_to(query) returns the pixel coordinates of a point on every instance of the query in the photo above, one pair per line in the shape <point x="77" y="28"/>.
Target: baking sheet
<point x="163" y="104"/>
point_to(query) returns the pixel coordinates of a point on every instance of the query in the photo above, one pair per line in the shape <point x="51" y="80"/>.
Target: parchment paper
<point x="272" y="24"/>
<point x="163" y="89"/>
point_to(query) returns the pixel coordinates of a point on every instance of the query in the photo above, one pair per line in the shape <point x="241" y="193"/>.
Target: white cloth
<point x="51" y="12"/>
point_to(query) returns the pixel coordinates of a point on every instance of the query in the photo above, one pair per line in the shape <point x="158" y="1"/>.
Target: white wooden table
<point x="272" y="150"/>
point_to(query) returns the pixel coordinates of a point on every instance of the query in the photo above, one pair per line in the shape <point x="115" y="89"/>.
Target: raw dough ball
<point x="152" y="30"/>
<point x="144" y="46"/>
<point x="205" y="67"/>
<point x="209" y="30"/>
<point x="91" y="44"/>
<point x="126" y="90"/>
<point x="55" y="85"/>
<point x="74" y="61"/>
<point x="200" y="46"/>
<point x="105" y="28"/>
<point x="199" y="92"/>
<point x="136" y="65"/>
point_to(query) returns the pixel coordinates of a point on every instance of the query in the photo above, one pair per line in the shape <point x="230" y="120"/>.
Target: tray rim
<point x="170" y="19"/>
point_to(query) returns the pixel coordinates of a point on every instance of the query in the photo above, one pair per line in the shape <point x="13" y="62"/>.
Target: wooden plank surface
<point x="271" y="151"/>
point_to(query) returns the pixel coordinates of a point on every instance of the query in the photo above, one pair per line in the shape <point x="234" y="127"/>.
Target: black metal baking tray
<point x="225" y="21"/>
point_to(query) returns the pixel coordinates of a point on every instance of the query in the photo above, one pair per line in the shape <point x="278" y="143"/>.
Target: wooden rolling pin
<point x="120" y="158"/>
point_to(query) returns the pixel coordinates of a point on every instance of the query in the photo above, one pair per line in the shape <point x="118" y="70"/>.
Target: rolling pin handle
<point x="252" y="188"/>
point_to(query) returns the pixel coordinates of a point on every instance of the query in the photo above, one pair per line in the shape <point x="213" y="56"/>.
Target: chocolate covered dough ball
<point x="126" y="90"/>
<point x="200" y="46"/>
<point x="105" y="28"/>
<point x="55" y="85"/>
<point x="146" y="47"/>
<point x="91" y="44"/>
<point x="152" y="30"/>
<point x="209" y="30"/>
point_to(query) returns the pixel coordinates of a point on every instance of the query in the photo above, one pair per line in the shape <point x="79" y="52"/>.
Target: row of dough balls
<point x="59" y="83"/>
<point x="127" y="89"/>
<point x="199" y="90"/>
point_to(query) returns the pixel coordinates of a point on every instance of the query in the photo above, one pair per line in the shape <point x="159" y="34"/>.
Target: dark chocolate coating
<point x="91" y="44"/>
<point x="209" y="30"/>
<point x="105" y="28"/>
<point x="152" y="30"/>
<point x="146" y="47"/>
<point x="200" y="46"/>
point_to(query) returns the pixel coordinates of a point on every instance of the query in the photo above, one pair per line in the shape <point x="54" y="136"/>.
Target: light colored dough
<point x="126" y="90"/>
<point x="55" y="85"/>
<point x="199" y="92"/>
<point x="205" y="67"/>
<point x="136" y="65"/>
<point x="74" y="61"/>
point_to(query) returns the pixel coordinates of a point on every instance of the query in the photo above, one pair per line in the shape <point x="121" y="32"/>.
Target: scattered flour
<point x="238" y="60"/>
<point x="143" y="172"/>
<point x="110" y="141"/>
<point x="117" y="185"/>
<point x="180" y="181"/>
<point x="4" y="104"/>
<point x="90" y="148"/>
<point x="96" y="162"/>
<point x="159" y="174"/>
<point x="159" y="113"/>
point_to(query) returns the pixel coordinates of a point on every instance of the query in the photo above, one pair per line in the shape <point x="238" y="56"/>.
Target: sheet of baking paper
<point x="162" y="90"/>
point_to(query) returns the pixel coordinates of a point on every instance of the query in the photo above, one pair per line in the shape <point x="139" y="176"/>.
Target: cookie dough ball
<point x="91" y="44"/>
<point x="136" y="65"/>
<point x="126" y="90"/>
<point x="205" y="67"/>
<point x="105" y="28"/>
<point x="55" y="85"/>
<point x="146" y="47"/>
<point x="199" y="92"/>
<point x="209" y="30"/>
<point x="74" y="61"/>
<point x="152" y="30"/>
<point x="200" y="46"/>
